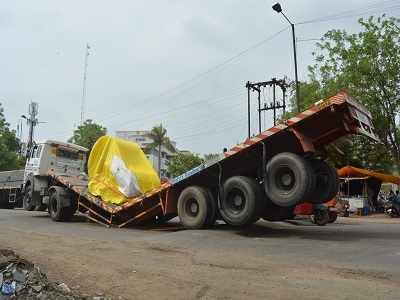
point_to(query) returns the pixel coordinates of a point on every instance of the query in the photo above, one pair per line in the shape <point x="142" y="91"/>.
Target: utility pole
<point x="274" y="105"/>
<point x="32" y="121"/>
<point x="84" y="83"/>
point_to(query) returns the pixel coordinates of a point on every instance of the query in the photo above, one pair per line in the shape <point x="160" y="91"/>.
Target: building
<point x="141" y="137"/>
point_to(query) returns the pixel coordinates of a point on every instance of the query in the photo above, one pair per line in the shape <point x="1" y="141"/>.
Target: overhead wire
<point x="183" y="107"/>
<point x="352" y="13"/>
<point x="203" y="74"/>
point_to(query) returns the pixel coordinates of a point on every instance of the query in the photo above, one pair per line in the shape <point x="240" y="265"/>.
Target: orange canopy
<point x="353" y="171"/>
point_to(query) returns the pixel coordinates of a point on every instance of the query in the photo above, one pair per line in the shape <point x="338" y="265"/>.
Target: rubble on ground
<point x="20" y="279"/>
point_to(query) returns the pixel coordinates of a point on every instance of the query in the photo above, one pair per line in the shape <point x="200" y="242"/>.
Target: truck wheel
<point x="327" y="183"/>
<point x="321" y="217"/>
<point x="289" y="179"/>
<point x="332" y="217"/>
<point x="196" y="208"/>
<point x="241" y="201"/>
<point x="28" y="202"/>
<point x="57" y="209"/>
<point x="41" y="207"/>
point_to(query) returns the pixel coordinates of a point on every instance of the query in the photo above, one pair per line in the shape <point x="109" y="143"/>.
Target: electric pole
<point x="84" y="83"/>
<point x="32" y="121"/>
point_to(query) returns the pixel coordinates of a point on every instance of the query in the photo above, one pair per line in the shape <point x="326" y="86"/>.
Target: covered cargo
<point x="119" y="170"/>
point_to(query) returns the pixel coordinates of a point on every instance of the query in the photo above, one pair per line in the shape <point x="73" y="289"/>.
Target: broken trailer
<point x="263" y="177"/>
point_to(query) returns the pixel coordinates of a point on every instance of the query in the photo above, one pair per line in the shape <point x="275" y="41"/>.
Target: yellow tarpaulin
<point x="119" y="170"/>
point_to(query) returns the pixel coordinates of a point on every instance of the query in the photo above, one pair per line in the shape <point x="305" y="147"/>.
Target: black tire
<point x="241" y="203"/>
<point x="28" y="202"/>
<point x="289" y="179"/>
<point x="213" y="210"/>
<point x="327" y="182"/>
<point x="196" y="208"/>
<point x="57" y="212"/>
<point x="332" y="217"/>
<point x="321" y="217"/>
<point x="41" y="207"/>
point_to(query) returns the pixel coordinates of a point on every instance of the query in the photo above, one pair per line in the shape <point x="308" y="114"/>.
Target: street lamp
<point x="277" y="7"/>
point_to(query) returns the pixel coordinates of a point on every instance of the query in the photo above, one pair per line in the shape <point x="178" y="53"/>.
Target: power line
<point x="352" y="13"/>
<point x="175" y="109"/>
<point x="213" y="130"/>
<point x="202" y="75"/>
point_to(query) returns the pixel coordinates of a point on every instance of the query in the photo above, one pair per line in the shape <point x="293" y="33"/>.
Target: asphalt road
<point x="351" y="259"/>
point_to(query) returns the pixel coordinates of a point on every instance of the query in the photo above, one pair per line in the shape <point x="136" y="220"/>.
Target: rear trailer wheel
<point x="332" y="216"/>
<point x="60" y="208"/>
<point x="241" y="202"/>
<point x="327" y="182"/>
<point x="196" y="208"/>
<point x="28" y="202"/>
<point x="41" y="207"/>
<point x="289" y="179"/>
<point x="321" y="217"/>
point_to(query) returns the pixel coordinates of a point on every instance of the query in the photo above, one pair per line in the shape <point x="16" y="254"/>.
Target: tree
<point x="158" y="135"/>
<point x="87" y="134"/>
<point x="183" y="162"/>
<point x="9" y="146"/>
<point x="367" y="66"/>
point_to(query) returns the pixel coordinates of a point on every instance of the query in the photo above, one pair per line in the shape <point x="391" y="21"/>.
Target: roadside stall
<point x="360" y="188"/>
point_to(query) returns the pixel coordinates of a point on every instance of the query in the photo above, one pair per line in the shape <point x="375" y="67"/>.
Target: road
<point x="351" y="259"/>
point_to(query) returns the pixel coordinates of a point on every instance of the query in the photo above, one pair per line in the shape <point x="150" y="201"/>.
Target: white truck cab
<point x="50" y="157"/>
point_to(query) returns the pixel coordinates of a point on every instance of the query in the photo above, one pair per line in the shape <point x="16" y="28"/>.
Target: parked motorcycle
<point x="392" y="210"/>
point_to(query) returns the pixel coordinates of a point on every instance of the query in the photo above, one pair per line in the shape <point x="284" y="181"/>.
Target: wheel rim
<point x="235" y="202"/>
<point x="28" y="197"/>
<point x="192" y="207"/>
<point x="53" y="204"/>
<point x="285" y="179"/>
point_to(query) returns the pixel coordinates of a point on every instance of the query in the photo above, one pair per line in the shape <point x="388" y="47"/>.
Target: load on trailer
<point x="263" y="177"/>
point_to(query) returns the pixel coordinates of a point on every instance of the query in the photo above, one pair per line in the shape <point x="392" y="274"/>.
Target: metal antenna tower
<point x="84" y="83"/>
<point x="32" y="121"/>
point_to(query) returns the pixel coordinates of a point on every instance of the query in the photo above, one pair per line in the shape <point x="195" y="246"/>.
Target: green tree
<point x="211" y="156"/>
<point x="9" y="146"/>
<point x="367" y="66"/>
<point x="158" y="135"/>
<point x="87" y="134"/>
<point x="183" y="162"/>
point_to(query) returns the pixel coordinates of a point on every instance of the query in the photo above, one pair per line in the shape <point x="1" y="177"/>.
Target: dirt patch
<point x="21" y="279"/>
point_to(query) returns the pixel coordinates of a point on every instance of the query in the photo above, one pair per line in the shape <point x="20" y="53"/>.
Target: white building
<point x="141" y="138"/>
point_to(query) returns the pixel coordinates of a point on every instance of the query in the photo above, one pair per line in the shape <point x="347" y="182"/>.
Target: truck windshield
<point x="64" y="153"/>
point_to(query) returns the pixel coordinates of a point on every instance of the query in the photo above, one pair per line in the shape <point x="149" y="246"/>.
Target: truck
<point x="29" y="187"/>
<point x="265" y="176"/>
<point x="11" y="183"/>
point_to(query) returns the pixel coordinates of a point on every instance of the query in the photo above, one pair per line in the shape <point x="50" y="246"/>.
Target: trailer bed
<point x="10" y="188"/>
<point x="309" y="131"/>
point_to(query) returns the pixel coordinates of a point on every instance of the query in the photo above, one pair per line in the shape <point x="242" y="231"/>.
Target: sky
<point x="183" y="64"/>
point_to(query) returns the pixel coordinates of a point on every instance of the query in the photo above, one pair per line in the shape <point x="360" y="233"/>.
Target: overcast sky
<point x="141" y="53"/>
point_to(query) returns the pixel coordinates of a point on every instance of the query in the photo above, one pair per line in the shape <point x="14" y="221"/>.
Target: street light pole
<point x="295" y="69"/>
<point x="277" y="7"/>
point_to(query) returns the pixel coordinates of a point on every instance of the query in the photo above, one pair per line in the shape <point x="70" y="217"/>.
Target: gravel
<point x="21" y="279"/>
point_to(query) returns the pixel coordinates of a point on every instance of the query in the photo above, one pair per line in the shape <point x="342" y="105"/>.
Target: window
<point x="64" y="153"/>
<point x="38" y="150"/>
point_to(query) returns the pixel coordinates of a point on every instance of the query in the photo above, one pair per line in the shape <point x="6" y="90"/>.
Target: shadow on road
<point x="75" y="219"/>
<point x="334" y="232"/>
<point x="294" y="229"/>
